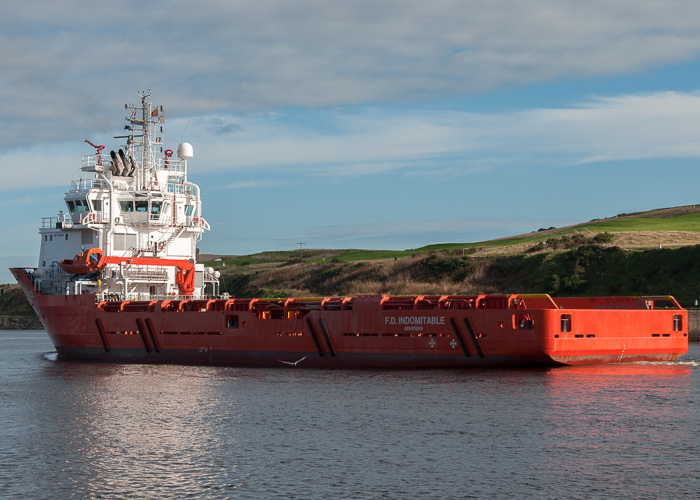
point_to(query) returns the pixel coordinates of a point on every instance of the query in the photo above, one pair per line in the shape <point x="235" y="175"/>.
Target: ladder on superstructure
<point x="162" y="245"/>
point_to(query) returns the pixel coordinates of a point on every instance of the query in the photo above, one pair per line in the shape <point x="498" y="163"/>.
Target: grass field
<point x="690" y="223"/>
<point x="672" y="226"/>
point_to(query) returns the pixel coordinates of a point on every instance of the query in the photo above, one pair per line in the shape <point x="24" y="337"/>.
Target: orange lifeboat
<point x="83" y="263"/>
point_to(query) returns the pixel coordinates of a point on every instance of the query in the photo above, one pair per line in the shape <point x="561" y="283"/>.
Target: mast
<point x="143" y="139"/>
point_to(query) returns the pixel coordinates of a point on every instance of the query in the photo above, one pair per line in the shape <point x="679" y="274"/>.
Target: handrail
<point x="542" y="296"/>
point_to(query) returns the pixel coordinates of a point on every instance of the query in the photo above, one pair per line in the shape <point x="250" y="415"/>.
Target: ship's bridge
<point x="81" y="202"/>
<point x="142" y="208"/>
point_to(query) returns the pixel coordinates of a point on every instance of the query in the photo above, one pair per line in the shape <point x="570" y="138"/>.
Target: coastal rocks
<point x="694" y="325"/>
<point x="20" y="323"/>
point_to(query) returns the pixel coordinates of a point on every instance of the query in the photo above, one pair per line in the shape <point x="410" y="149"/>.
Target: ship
<point x="118" y="281"/>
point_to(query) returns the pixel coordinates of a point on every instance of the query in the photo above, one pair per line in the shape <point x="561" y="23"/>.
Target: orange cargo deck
<point x="378" y="331"/>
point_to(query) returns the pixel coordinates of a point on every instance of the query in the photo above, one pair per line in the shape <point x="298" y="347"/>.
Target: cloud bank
<point x="371" y="141"/>
<point x="364" y="142"/>
<point x="64" y="66"/>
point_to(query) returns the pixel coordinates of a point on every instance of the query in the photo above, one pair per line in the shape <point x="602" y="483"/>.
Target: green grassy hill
<point x="647" y="226"/>
<point x="589" y="269"/>
<point x="646" y="253"/>
<point x="14" y="303"/>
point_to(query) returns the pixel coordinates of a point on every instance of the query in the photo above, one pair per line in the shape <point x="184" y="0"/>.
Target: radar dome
<point x="184" y="151"/>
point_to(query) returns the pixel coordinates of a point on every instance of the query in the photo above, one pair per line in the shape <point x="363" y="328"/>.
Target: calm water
<point x="133" y="431"/>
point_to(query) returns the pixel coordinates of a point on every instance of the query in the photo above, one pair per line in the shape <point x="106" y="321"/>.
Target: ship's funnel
<point x="125" y="162"/>
<point x="184" y="151"/>
<point x="133" y="166"/>
<point x="116" y="164"/>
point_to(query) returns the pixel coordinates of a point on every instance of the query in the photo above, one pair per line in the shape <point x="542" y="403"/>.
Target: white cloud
<point x="63" y="67"/>
<point x="362" y="142"/>
<point x="40" y="166"/>
<point x="658" y="125"/>
<point x="631" y="127"/>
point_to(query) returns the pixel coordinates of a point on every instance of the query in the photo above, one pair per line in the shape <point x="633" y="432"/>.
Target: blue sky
<point x="365" y="124"/>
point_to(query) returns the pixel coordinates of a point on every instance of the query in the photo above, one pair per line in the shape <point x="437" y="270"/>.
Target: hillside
<point x="588" y="269"/>
<point x="668" y="227"/>
<point x="631" y="254"/>
<point x="14" y="303"/>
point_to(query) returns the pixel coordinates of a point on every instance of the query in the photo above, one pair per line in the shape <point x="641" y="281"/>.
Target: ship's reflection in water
<point x="622" y="430"/>
<point x="155" y="430"/>
<point x="97" y="430"/>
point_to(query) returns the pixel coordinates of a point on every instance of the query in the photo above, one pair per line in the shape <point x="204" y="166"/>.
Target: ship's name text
<point x="414" y="320"/>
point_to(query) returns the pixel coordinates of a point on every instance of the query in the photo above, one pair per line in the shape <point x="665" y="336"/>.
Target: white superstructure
<point x="138" y="208"/>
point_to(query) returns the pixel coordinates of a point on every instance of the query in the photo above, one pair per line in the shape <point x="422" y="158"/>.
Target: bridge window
<point x="78" y="206"/>
<point x="155" y="208"/>
<point x="126" y="205"/>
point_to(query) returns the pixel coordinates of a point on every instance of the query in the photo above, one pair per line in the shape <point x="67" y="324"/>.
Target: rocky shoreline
<point x="20" y="323"/>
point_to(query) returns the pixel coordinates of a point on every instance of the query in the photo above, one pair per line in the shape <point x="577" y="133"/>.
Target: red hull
<point x="364" y="332"/>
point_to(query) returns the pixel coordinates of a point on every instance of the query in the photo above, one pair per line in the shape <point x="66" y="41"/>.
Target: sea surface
<point x="88" y="430"/>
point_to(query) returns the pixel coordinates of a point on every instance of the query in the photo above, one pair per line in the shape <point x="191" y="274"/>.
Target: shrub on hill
<point x="571" y="241"/>
<point x="14" y="303"/>
<point x="435" y="268"/>
<point x="593" y="270"/>
<point x="605" y="237"/>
